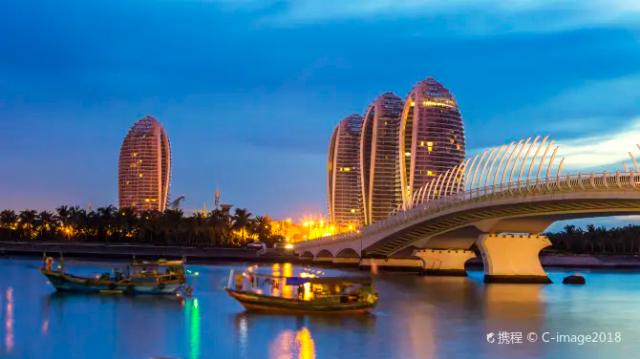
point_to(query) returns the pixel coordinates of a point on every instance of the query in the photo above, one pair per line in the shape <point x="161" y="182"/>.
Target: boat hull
<point x="69" y="283"/>
<point x="263" y="303"/>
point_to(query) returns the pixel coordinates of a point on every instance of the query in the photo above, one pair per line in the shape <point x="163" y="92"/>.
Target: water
<point x="417" y="317"/>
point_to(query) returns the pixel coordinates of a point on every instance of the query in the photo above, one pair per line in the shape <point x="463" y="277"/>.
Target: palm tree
<point x="170" y="225"/>
<point x="8" y="223"/>
<point x="105" y="218"/>
<point x="241" y="222"/>
<point x="8" y="219"/>
<point x="63" y="215"/>
<point x="221" y="221"/>
<point x="128" y="223"/>
<point x="27" y="220"/>
<point x="46" y="224"/>
<point x="262" y="228"/>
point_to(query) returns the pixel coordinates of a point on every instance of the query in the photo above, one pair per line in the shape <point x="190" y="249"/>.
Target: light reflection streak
<point x="192" y="313"/>
<point x="8" y="321"/>
<point x="290" y="344"/>
<point x="243" y="335"/>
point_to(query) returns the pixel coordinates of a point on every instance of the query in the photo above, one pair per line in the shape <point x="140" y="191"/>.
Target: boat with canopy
<point x="302" y="294"/>
<point x="139" y="277"/>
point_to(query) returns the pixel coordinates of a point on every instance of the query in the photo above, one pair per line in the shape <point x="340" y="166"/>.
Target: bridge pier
<point x="513" y="258"/>
<point x="448" y="262"/>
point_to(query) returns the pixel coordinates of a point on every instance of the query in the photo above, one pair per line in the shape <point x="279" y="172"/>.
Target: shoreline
<point x="100" y="251"/>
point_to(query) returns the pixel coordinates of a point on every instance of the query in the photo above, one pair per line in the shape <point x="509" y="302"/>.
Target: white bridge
<point x="480" y="204"/>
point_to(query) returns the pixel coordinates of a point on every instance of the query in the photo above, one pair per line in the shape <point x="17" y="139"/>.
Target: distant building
<point x="431" y="136"/>
<point x="344" y="189"/>
<point x="379" y="163"/>
<point x="144" y="168"/>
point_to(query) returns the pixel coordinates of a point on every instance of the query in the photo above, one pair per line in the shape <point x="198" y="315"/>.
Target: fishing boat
<point x="305" y="294"/>
<point x="140" y="277"/>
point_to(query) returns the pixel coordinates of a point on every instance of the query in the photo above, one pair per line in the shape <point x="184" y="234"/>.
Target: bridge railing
<point x="593" y="182"/>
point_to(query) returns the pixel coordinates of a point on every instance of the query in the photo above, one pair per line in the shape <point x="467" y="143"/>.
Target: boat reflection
<point x="292" y="336"/>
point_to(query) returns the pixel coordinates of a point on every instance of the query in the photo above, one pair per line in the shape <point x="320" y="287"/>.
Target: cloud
<point x="604" y="150"/>
<point x="482" y="15"/>
<point x="607" y="150"/>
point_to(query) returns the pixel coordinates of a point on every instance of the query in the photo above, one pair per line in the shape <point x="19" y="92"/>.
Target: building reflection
<point x="514" y="308"/>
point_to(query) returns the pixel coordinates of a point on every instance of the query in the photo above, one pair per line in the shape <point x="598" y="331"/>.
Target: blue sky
<point x="249" y="91"/>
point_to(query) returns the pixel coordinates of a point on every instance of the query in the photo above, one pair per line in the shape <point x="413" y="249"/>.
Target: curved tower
<point x="144" y="167"/>
<point x="431" y="137"/>
<point x="380" y="170"/>
<point x="344" y="189"/>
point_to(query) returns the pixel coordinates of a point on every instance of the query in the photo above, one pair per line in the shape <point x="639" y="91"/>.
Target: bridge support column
<point x="444" y="261"/>
<point x="513" y="258"/>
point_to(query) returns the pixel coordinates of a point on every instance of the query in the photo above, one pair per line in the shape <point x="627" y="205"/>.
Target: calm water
<point x="417" y="317"/>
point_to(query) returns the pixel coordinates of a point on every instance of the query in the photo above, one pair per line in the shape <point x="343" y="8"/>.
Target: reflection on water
<point x="8" y="320"/>
<point x="192" y="314"/>
<point x="286" y="343"/>
<point x="417" y="317"/>
<point x="290" y="344"/>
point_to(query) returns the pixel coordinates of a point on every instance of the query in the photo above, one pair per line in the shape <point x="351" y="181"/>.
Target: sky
<point x="249" y="91"/>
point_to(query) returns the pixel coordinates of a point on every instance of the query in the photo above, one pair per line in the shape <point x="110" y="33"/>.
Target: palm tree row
<point x="218" y="228"/>
<point x="597" y="240"/>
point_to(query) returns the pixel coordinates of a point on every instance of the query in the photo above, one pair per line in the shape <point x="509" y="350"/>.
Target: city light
<point x="306" y="228"/>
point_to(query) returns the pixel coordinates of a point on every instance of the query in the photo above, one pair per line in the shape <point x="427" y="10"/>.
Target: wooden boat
<point x="140" y="277"/>
<point x="330" y="295"/>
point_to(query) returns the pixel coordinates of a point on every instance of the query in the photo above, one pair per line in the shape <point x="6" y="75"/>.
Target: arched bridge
<point x="472" y="204"/>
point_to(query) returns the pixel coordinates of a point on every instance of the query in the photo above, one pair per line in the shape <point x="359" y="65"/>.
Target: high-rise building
<point x="431" y="136"/>
<point x="379" y="164"/>
<point x="345" y="192"/>
<point x="144" y="168"/>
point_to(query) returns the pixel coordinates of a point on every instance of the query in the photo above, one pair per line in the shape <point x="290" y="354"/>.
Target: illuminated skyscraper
<point x="431" y="136"/>
<point x="380" y="169"/>
<point x="144" y="168"/>
<point x="345" y="192"/>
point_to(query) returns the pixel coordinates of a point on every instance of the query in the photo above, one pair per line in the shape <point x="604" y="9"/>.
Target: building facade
<point x="144" y="167"/>
<point x="343" y="175"/>
<point x="379" y="164"/>
<point x="431" y="136"/>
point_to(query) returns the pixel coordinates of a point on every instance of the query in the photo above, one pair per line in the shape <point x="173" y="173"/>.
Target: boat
<point x="140" y="277"/>
<point x="305" y="294"/>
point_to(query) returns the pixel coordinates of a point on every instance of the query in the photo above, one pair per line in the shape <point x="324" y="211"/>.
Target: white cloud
<point x="604" y="150"/>
<point x="597" y="152"/>
<point x="480" y="15"/>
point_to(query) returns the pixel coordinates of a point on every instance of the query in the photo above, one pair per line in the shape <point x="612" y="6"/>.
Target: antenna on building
<point x="216" y="198"/>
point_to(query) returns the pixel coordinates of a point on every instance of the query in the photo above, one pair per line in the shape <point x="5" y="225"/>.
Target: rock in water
<point x="574" y="279"/>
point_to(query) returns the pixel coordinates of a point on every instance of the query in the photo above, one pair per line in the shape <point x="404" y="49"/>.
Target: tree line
<point x="217" y="228"/>
<point x="597" y="240"/>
